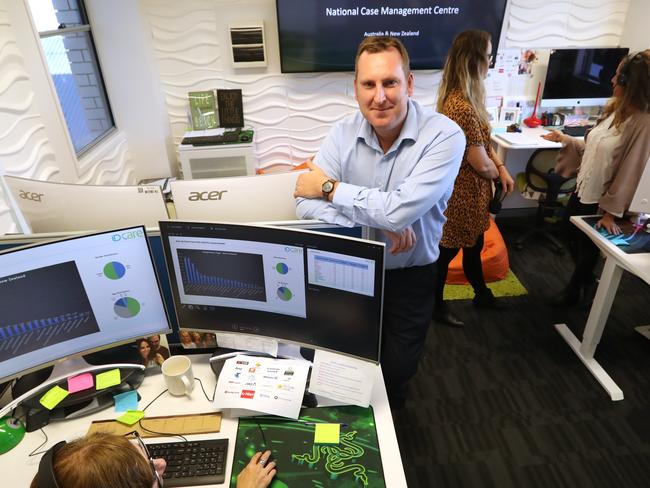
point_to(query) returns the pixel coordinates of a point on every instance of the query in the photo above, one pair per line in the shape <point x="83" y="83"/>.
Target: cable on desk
<point x="164" y="434"/>
<point x="34" y="453"/>
<point x="157" y="397"/>
<point x="261" y="432"/>
<point x="204" y="393"/>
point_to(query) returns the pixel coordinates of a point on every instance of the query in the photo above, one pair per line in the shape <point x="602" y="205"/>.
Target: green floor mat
<point x="510" y="286"/>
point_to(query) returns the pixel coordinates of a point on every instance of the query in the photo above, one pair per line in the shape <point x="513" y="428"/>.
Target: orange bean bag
<point x="494" y="258"/>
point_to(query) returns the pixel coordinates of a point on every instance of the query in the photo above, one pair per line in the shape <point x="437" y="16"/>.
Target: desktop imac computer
<point x="62" y="299"/>
<point x="580" y="77"/>
<point x="238" y="198"/>
<point x="301" y="287"/>
<point x="44" y="206"/>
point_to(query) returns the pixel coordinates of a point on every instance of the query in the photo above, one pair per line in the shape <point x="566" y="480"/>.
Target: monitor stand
<point x="29" y="389"/>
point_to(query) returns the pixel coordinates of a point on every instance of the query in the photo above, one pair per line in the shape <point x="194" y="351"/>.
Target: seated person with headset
<point x="111" y="460"/>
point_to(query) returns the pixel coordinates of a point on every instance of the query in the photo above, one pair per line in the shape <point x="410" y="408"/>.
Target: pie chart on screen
<point x="114" y="270"/>
<point x="285" y="293"/>
<point x="126" y="307"/>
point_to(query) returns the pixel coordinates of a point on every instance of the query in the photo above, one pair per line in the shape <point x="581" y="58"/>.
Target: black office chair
<point x="550" y="189"/>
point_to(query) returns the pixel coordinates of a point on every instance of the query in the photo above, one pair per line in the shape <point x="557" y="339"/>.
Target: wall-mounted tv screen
<point x="323" y="35"/>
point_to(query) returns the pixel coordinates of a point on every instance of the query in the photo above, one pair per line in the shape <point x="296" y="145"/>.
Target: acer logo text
<point x="196" y="196"/>
<point x="29" y="195"/>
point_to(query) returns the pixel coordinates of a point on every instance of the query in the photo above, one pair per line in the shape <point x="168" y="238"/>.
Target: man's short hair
<point x="379" y="44"/>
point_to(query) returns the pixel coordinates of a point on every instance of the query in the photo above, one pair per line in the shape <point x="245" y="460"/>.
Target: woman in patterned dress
<point x="461" y="97"/>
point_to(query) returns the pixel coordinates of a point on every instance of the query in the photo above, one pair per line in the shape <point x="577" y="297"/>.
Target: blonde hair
<point x="100" y="460"/>
<point x="464" y="69"/>
<point x="635" y="68"/>
<point x="379" y="44"/>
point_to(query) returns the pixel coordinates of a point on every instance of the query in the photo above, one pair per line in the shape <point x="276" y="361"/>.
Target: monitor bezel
<point x="555" y="102"/>
<point x="497" y="41"/>
<point x="75" y="354"/>
<point x="174" y="287"/>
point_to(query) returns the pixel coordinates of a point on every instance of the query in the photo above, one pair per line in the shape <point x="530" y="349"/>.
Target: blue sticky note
<point x="126" y="401"/>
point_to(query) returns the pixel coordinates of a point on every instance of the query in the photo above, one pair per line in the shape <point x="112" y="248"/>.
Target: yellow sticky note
<point x="108" y="379"/>
<point x="327" y="433"/>
<point x="53" y="397"/>
<point x="130" y="417"/>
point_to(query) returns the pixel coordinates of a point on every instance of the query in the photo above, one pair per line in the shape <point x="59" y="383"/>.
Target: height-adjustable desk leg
<point x="593" y="331"/>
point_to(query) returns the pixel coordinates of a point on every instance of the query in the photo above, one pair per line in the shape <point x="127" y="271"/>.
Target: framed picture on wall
<point x="509" y="115"/>
<point x="493" y="114"/>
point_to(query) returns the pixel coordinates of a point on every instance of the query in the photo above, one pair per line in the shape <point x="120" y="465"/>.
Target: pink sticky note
<point x="81" y="382"/>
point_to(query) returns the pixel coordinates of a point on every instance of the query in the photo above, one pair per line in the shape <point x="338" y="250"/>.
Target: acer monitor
<point x="580" y="77"/>
<point x="238" y="198"/>
<point x="62" y="299"/>
<point x="297" y="286"/>
<point x="45" y="206"/>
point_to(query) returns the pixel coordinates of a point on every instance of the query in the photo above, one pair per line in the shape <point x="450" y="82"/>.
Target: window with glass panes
<point x="67" y="42"/>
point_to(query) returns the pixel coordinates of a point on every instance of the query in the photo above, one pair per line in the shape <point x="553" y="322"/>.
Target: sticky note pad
<point x="53" y="397"/>
<point x="327" y="433"/>
<point x="80" y="382"/>
<point x="130" y="417"/>
<point x="126" y="401"/>
<point x="108" y="379"/>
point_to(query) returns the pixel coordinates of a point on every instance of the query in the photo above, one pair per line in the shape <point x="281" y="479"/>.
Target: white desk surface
<point x="637" y="264"/>
<point x="533" y="134"/>
<point x="616" y="261"/>
<point x="19" y="469"/>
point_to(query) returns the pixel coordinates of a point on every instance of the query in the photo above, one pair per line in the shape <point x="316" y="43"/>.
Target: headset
<point x="624" y="75"/>
<point x="45" y="477"/>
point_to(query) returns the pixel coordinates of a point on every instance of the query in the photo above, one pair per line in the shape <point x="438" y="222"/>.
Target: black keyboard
<point x="227" y="137"/>
<point x="576" y="130"/>
<point x="192" y="463"/>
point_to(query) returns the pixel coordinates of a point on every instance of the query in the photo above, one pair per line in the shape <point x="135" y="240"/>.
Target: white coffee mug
<point x="179" y="378"/>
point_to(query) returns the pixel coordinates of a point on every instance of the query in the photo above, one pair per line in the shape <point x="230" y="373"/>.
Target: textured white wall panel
<point x="24" y="147"/>
<point x="291" y="114"/>
<point x="564" y="23"/>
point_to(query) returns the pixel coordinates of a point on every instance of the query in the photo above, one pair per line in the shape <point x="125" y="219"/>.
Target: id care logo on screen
<point x="127" y="235"/>
<point x="248" y="394"/>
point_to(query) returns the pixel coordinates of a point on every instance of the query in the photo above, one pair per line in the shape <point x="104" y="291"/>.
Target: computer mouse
<point x="12" y="432"/>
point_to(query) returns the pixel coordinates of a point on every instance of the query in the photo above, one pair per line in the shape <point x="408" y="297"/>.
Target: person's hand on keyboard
<point x="258" y="473"/>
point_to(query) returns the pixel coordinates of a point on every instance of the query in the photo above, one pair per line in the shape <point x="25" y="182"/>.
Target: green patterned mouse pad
<point x="354" y="462"/>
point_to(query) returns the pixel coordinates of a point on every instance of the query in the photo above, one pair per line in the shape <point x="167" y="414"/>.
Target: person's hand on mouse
<point x="258" y="473"/>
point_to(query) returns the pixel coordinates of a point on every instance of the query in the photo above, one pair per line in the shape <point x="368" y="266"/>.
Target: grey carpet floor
<point x="504" y="402"/>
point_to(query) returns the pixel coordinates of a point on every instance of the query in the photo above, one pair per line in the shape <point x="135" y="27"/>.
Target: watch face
<point x="328" y="186"/>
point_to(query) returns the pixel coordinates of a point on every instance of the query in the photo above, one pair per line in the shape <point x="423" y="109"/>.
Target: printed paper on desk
<point x="242" y="342"/>
<point x="262" y="385"/>
<point x="342" y="378"/>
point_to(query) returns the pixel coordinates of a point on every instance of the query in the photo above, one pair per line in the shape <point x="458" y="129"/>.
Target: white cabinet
<point x="216" y="161"/>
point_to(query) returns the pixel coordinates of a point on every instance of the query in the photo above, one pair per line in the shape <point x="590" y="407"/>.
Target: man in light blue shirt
<point x="392" y="167"/>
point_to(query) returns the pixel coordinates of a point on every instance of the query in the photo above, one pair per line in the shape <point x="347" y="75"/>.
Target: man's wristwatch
<point x="327" y="188"/>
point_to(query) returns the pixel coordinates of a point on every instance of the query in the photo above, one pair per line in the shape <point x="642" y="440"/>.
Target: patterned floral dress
<point x="467" y="210"/>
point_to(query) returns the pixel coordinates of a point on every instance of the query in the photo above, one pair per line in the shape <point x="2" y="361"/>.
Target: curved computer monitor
<point x="580" y="77"/>
<point x="301" y="287"/>
<point x="44" y="206"/>
<point x="237" y="199"/>
<point x="74" y="296"/>
<point x="641" y="200"/>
